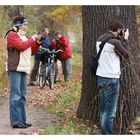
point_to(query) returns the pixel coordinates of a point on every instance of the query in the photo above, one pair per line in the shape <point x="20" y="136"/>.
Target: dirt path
<point x="35" y="115"/>
<point x="37" y="100"/>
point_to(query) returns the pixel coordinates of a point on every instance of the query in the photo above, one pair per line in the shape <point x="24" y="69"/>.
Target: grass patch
<point x="61" y="129"/>
<point x="64" y="107"/>
<point x="70" y="127"/>
<point x="77" y="62"/>
<point x="65" y="100"/>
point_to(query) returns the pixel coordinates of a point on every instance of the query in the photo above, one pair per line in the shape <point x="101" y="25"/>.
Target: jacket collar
<point x="20" y="32"/>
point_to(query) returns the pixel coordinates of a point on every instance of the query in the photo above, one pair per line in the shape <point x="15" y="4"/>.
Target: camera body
<point x="42" y="37"/>
<point x="56" y="39"/>
<point x="122" y="33"/>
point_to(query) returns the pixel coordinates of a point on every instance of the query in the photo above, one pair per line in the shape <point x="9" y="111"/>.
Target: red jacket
<point x="14" y="41"/>
<point x="20" y="48"/>
<point x="64" y="46"/>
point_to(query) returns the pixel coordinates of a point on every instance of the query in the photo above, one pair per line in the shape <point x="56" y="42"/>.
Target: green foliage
<point x="67" y="19"/>
<point x="61" y="129"/>
<point x="77" y="61"/>
<point x="31" y="15"/>
<point x="64" y="12"/>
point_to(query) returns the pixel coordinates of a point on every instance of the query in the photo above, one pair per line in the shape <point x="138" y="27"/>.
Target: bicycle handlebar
<point x="44" y="50"/>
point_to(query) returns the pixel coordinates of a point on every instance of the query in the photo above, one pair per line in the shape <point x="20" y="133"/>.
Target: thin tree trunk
<point x="14" y="11"/>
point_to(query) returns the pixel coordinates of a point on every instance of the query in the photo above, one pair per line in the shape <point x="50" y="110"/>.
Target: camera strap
<point x="101" y="46"/>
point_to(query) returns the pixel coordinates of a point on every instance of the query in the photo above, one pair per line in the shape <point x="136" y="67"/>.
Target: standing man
<point x="61" y="42"/>
<point x="108" y="74"/>
<point x="20" y="47"/>
<point x="45" y="43"/>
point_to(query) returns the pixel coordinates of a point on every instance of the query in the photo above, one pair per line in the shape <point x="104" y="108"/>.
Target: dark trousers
<point x="34" y="70"/>
<point x="108" y="93"/>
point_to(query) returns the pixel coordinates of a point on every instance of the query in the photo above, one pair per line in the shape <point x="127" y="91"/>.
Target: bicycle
<point x="48" y="68"/>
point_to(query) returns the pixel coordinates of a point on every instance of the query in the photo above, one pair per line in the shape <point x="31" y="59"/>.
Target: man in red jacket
<point x="61" y="42"/>
<point x="20" y="47"/>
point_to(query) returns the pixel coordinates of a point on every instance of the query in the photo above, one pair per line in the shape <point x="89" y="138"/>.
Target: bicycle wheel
<point x="42" y="77"/>
<point x="51" y="77"/>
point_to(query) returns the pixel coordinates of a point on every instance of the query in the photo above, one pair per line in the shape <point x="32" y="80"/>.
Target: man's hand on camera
<point x="126" y="34"/>
<point x="36" y="37"/>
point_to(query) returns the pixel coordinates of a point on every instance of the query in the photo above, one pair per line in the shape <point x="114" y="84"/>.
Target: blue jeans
<point x="67" y="68"/>
<point x="109" y="93"/>
<point x="17" y="97"/>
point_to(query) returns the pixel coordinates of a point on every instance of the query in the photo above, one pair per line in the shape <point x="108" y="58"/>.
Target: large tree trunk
<point x="95" y="23"/>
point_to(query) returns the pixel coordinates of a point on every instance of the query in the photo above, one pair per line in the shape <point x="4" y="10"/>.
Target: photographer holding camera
<point x="108" y="73"/>
<point x="45" y="43"/>
<point x="61" y="42"/>
<point x="20" y="47"/>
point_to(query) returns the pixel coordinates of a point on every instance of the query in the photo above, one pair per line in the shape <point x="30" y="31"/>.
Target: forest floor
<point x="52" y="111"/>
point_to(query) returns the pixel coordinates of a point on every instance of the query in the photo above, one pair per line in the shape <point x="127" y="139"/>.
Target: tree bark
<point x="95" y="23"/>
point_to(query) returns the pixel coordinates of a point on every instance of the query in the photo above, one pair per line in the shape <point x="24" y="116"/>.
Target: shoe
<point x="20" y="126"/>
<point x="28" y="124"/>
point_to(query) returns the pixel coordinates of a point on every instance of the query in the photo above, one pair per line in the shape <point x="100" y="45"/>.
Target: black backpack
<point x="93" y="63"/>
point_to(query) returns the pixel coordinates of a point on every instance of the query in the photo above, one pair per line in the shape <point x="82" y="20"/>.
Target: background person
<point x="45" y="43"/>
<point x="61" y="42"/>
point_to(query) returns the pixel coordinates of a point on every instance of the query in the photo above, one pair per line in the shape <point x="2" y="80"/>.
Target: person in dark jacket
<point x="108" y="73"/>
<point x="20" y="47"/>
<point x="61" y="42"/>
<point x="45" y="43"/>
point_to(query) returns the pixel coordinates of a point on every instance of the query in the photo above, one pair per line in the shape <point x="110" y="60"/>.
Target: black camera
<point x="56" y="39"/>
<point x="42" y="37"/>
<point x="122" y="33"/>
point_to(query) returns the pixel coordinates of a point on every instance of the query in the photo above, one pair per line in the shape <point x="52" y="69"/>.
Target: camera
<point x="42" y="37"/>
<point x="122" y="33"/>
<point x="57" y="39"/>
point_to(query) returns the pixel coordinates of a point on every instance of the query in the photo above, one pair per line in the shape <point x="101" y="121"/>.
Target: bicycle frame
<point x="47" y="70"/>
